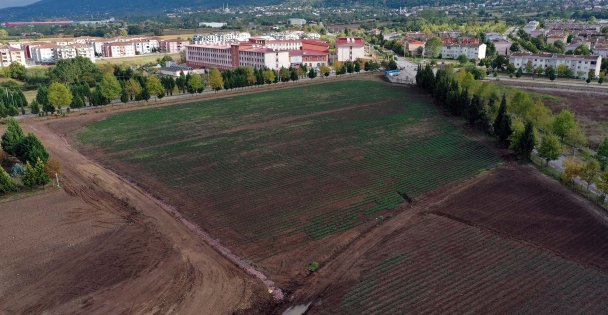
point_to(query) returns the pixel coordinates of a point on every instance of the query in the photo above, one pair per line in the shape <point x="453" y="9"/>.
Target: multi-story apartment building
<point x="472" y="51"/>
<point x="146" y="46"/>
<point x="44" y="53"/>
<point x="118" y="49"/>
<point x="349" y="48"/>
<point x="173" y="45"/>
<point x="580" y="65"/>
<point x="51" y="53"/>
<point x="10" y="54"/>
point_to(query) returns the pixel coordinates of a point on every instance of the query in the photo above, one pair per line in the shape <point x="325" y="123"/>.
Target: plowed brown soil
<point x="100" y="245"/>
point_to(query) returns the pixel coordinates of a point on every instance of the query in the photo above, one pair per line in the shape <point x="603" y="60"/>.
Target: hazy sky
<point x="15" y="3"/>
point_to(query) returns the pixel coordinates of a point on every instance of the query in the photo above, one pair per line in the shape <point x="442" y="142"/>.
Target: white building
<point x="297" y="22"/>
<point x="44" y="54"/>
<point x="472" y="51"/>
<point x="219" y="38"/>
<point x="212" y="24"/>
<point x="10" y="54"/>
<point x="146" y="46"/>
<point x="117" y="50"/>
<point x="494" y="36"/>
<point x="580" y="65"/>
<point x="531" y="26"/>
<point x="349" y="48"/>
<point x="51" y="53"/>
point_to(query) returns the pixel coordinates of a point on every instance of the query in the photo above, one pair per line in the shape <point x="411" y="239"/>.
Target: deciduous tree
<point x="215" y="79"/>
<point x="589" y="171"/>
<point x="59" y="95"/>
<point x="550" y="148"/>
<point x="110" y="87"/>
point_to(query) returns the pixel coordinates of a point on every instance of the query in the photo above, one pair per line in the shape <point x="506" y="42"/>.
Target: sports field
<point x="283" y="177"/>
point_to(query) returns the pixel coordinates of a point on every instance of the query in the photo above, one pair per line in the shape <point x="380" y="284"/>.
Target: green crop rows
<point x="311" y="161"/>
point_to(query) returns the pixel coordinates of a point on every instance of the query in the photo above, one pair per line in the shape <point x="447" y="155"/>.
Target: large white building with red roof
<point x="259" y="52"/>
<point x="349" y="48"/>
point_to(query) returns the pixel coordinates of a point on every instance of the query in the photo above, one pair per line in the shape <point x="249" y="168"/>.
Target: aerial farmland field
<point x="287" y="177"/>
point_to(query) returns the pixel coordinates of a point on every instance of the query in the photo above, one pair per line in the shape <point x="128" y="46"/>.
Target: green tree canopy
<point x="110" y="87"/>
<point x="155" y="87"/>
<point x="433" y="47"/>
<point x="59" y="95"/>
<point x="550" y="148"/>
<point x="195" y="83"/>
<point x="215" y="79"/>
<point x="75" y="70"/>
<point x="12" y="136"/>
<point x="564" y="122"/>
<point x="30" y="149"/>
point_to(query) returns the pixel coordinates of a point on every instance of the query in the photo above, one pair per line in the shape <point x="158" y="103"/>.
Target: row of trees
<point x="518" y="122"/>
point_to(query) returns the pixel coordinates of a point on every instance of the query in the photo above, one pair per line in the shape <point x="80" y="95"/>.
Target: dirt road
<point x="115" y="249"/>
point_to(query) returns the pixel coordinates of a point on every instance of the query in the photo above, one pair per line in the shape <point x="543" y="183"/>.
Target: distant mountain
<point x="47" y="9"/>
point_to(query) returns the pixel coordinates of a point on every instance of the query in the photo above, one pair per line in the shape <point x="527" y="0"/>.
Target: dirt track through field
<point x="214" y="285"/>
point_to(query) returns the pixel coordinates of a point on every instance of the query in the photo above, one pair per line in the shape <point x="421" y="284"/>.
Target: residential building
<point x="349" y="48"/>
<point x="580" y="65"/>
<point x="173" y="45"/>
<point x="414" y="47"/>
<point x="601" y="49"/>
<point x="503" y="47"/>
<point x="146" y="46"/>
<point x="531" y="26"/>
<point x="472" y="51"/>
<point x="219" y="38"/>
<point x="44" y="54"/>
<point x="494" y="36"/>
<point x="553" y="37"/>
<point x="10" y="54"/>
<point x="118" y="50"/>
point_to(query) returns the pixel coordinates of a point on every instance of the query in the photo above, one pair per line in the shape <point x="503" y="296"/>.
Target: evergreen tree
<point x="124" y="96"/>
<point x="31" y="149"/>
<point x="6" y="182"/>
<point x="602" y="153"/>
<point x="34" y="107"/>
<point x="12" y="136"/>
<point x="502" y="123"/>
<point x="312" y="73"/>
<point x="29" y="176"/>
<point x="527" y="142"/>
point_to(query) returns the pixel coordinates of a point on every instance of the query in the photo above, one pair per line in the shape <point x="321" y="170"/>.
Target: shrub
<point x="313" y="266"/>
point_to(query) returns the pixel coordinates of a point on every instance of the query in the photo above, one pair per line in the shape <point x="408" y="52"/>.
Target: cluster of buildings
<point x="572" y="34"/>
<point x="455" y="44"/>
<point x="51" y="52"/>
<point x="261" y="52"/>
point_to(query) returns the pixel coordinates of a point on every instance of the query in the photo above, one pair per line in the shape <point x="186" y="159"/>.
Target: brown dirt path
<point x="187" y="276"/>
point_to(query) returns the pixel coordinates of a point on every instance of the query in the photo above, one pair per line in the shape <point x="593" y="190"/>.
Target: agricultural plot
<point x="271" y="174"/>
<point x="439" y="265"/>
<point x="521" y="204"/>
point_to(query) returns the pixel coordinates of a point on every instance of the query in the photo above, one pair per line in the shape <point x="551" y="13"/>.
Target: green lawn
<point x="310" y="161"/>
